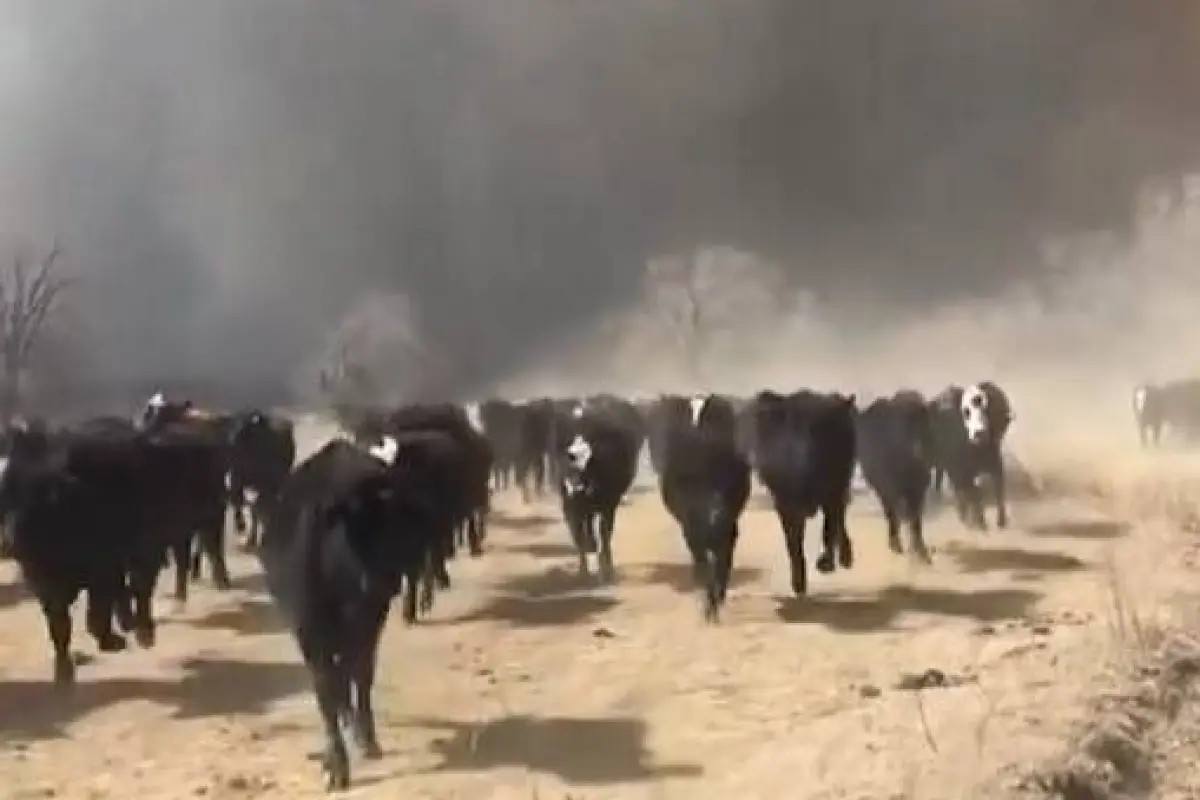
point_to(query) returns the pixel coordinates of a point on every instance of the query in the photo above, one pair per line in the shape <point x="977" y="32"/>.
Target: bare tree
<point x="710" y="294"/>
<point x="376" y="355"/>
<point x="29" y="296"/>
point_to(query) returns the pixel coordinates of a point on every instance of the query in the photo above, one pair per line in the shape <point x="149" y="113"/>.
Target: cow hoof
<point x="895" y="546"/>
<point x="1002" y="522"/>
<point x="846" y="553"/>
<point x="337" y="781"/>
<point x="144" y="637"/>
<point x="799" y="586"/>
<point x="111" y="643"/>
<point x="825" y="563"/>
<point x="371" y="751"/>
<point x="922" y="555"/>
<point x="64" y="675"/>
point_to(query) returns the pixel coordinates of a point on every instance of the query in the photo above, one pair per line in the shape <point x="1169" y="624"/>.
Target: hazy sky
<point x="231" y="175"/>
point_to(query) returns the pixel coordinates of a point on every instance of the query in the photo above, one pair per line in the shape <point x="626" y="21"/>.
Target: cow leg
<point x="604" y="524"/>
<point x="835" y="538"/>
<point x="893" y="525"/>
<point x="212" y="543"/>
<point x="412" y="581"/>
<point x="56" y="607"/>
<point x="102" y="598"/>
<point x="580" y="536"/>
<point x="181" y="554"/>
<point x="429" y="580"/>
<point x="718" y="576"/>
<point x="475" y="533"/>
<point x="123" y="606"/>
<point x="237" y="500"/>
<point x="793" y="532"/>
<point x="974" y="495"/>
<point x="143" y="575"/>
<point x="362" y="677"/>
<point x="999" y="485"/>
<point x="332" y="689"/>
<point x="916" y="523"/>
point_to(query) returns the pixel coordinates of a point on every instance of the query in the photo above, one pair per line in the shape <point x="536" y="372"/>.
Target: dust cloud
<point x="232" y="179"/>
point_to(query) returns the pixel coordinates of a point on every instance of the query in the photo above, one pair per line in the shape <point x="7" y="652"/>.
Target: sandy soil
<point x="525" y="684"/>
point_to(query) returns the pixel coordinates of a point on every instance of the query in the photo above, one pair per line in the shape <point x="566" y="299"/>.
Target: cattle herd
<point x="103" y="505"/>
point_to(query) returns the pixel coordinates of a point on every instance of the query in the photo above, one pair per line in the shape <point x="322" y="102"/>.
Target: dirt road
<point x="524" y="685"/>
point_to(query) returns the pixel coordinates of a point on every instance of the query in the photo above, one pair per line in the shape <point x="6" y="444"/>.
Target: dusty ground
<point x="525" y="685"/>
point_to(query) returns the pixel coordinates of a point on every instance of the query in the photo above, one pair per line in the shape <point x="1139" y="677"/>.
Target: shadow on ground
<point x="678" y="577"/>
<point x="1080" y="529"/>
<point x="583" y="752"/>
<point x="881" y="611"/>
<point x="522" y="611"/>
<point x="33" y="710"/>
<point x="543" y="550"/>
<point x="521" y="522"/>
<point x="12" y="593"/>
<point x="977" y="560"/>
<point x="251" y="617"/>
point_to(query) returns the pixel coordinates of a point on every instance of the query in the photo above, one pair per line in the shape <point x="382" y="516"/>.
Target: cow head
<point x="1141" y="395"/>
<point x="386" y="451"/>
<point x="159" y="410"/>
<point x="578" y="457"/>
<point x="975" y="413"/>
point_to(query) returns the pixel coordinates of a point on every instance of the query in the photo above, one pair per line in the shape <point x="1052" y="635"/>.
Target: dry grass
<point x="1119" y="749"/>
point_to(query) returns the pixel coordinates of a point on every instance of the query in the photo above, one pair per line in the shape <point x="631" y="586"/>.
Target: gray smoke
<point x="229" y="176"/>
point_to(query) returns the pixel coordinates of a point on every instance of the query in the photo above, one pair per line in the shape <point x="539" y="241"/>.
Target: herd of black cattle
<point x="104" y="505"/>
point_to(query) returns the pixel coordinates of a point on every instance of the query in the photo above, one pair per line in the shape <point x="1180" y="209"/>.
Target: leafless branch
<point x="28" y="298"/>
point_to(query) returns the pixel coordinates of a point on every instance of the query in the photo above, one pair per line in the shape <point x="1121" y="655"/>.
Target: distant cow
<point x="705" y="482"/>
<point x="501" y="422"/>
<point x="262" y="449"/>
<point x="895" y="451"/>
<point x="192" y="450"/>
<point x="969" y="426"/>
<point x="457" y="463"/>
<point x="1174" y="405"/>
<point x="535" y="432"/>
<point x="348" y="527"/>
<point x="805" y="449"/>
<point x="597" y="465"/>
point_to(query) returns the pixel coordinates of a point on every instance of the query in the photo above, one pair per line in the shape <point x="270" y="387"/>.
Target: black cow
<point x="347" y="529"/>
<point x="86" y="512"/>
<point x="501" y="422"/>
<point x="192" y="450"/>
<point x="1174" y="405"/>
<point x="805" y="450"/>
<point x="262" y="450"/>
<point x="895" y="451"/>
<point x="665" y="415"/>
<point x="597" y="465"/>
<point x="462" y="465"/>
<point x="705" y="483"/>
<point x="969" y="426"/>
<point x="534" y="443"/>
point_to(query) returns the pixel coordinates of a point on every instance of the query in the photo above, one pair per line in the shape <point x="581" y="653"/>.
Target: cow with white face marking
<point x="1147" y="412"/>
<point x="969" y="426"/>
<point x="597" y="463"/>
<point x="1174" y="405"/>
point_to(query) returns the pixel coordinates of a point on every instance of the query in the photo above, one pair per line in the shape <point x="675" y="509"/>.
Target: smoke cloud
<point x="231" y="178"/>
